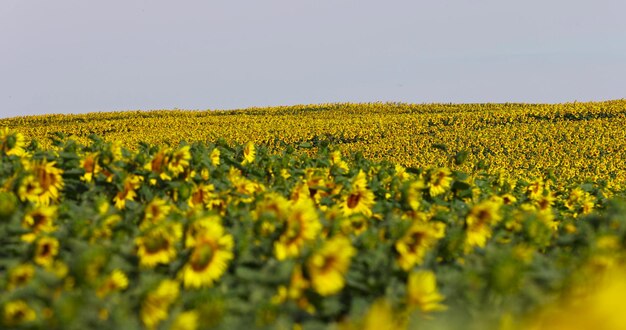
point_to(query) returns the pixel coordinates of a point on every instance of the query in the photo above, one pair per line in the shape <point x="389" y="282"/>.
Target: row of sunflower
<point x="579" y="141"/>
<point x="219" y="235"/>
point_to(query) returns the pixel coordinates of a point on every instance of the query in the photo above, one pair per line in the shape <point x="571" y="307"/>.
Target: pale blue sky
<point x="77" y="56"/>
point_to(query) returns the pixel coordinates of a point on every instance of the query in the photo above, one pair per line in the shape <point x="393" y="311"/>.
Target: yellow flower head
<point x="46" y="249"/>
<point x="40" y="220"/>
<point x="211" y="253"/>
<point x="186" y="321"/>
<point x="89" y="163"/>
<point x="360" y="199"/>
<point x="20" y="276"/>
<point x="440" y="181"/>
<point x="249" y="153"/>
<point x="479" y="222"/>
<point x="12" y="143"/>
<point x="422" y="292"/>
<point x="215" y="157"/>
<point x="179" y="161"/>
<point x="417" y="241"/>
<point x="158" y="245"/>
<point x="328" y="266"/>
<point x="18" y="312"/>
<point x="116" y="281"/>
<point x="155" y="307"/>
<point x="128" y="192"/>
<point x="49" y="179"/>
<point x="302" y="226"/>
<point x="155" y="212"/>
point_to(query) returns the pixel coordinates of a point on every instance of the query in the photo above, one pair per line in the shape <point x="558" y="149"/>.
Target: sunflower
<point x="186" y="321"/>
<point x="212" y="250"/>
<point x="12" y="143"/>
<point x="155" y="212"/>
<point x="158" y="245"/>
<point x="128" y="192"/>
<point x="440" y="181"/>
<point x="335" y="160"/>
<point x="420" y="238"/>
<point x="295" y="292"/>
<point x="302" y="226"/>
<point x="413" y="194"/>
<point x="159" y="164"/>
<point x="215" y="157"/>
<point x="273" y="209"/>
<point x="89" y="163"/>
<point x="116" y="281"/>
<point x="155" y="307"/>
<point x="46" y="248"/>
<point x="202" y="195"/>
<point x="39" y="220"/>
<point x="48" y="178"/>
<point x="422" y="292"/>
<point x="18" y="312"/>
<point x="179" y="160"/>
<point x="479" y="222"/>
<point x="360" y="199"/>
<point x="29" y="189"/>
<point x="249" y="153"/>
<point x="20" y="275"/>
<point x="328" y="266"/>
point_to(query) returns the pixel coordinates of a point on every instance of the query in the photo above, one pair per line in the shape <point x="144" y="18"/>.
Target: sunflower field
<point x="316" y="224"/>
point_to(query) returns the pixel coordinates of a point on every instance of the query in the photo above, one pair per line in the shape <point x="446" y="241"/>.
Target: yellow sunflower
<point x="20" y="275"/>
<point x="186" y="321"/>
<point x="12" y="143"/>
<point x="479" y="222"/>
<point x="46" y="248"/>
<point x="335" y="160"/>
<point x="155" y="307"/>
<point x="155" y="212"/>
<point x="215" y="157"/>
<point x="328" y="266"/>
<point x="440" y="181"/>
<point x="360" y="199"/>
<point x="158" y="245"/>
<point x="18" y="312"/>
<point x="128" y="192"/>
<point x="89" y="163"/>
<point x="302" y="226"/>
<point x="422" y="292"/>
<point x="159" y="164"/>
<point x="249" y="153"/>
<point x="212" y="250"/>
<point x="39" y="220"/>
<point x="420" y="238"/>
<point x="179" y="160"/>
<point x="49" y="179"/>
<point x="116" y="281"/>
<point x="29" y="190"/>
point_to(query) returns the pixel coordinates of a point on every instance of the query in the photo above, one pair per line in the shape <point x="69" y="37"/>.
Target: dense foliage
<point x="226" y="235"/>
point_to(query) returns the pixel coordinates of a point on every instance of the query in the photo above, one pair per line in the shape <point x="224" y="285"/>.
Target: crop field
<point x="341" y="216"/>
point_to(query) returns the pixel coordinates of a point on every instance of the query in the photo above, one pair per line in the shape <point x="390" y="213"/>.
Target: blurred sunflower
<point x="328" y="266"/>
<point x="215" y="157"/>
<point x="20" y="275"/>
<point x="422" y="292"/>
<point x="186" y="321"/>
<point x="39" y="220"/>
<point x="440" y="181"/>
<point x="17" y="312"/>
<point x="128" y="193"/>
<point x="155" y="212"/>
<point x="46" y="248"/>
<point x="179" y="160"/>
<point x="158" y="245"/>
<point x="89" y="163"/>
<point x="212" y="250"/>
<point x="479" y="223"/>
<point x="155" y="307"/>
<point x="49" y="179"/>
<point x="360" y="199"/>
<point x="302" y="226"/>
<point x="29" y="189"/>
<point x="420" y="238"/>
<point x="116" y="281"/>
<point x="249" y="153"/>
<point x="159" y="164"/>
<point x="12" y="143"/>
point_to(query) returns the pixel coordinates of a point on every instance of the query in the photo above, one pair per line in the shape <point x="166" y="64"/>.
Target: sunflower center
<point x="353" y="200"/>
<point x="46" y="179"/>
<point x="201" y="257"/>
<point x="156" y="244"/>
<point x="45" y="250"/>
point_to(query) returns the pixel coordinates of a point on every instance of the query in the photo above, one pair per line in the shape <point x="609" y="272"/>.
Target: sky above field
<point x="77" y="56"/>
